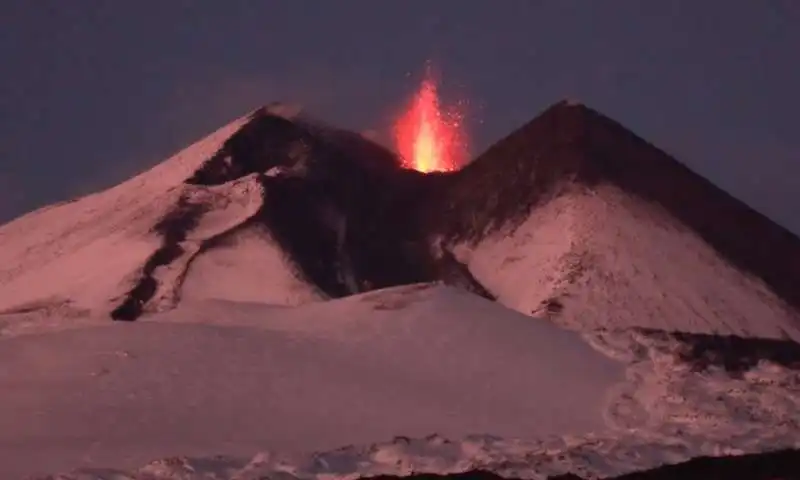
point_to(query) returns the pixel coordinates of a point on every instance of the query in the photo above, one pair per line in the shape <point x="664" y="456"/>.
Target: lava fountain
<point x="428" y="137"/>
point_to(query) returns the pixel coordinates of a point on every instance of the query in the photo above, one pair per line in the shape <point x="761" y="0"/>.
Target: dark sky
<point x="93" y="91"/>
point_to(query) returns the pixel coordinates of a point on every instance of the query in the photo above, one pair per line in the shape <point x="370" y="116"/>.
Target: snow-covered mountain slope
<point x="600" y="259"/>
<point x="320" y="390"/>
<point x="84" y="255"/>
<point x="232" y="254"/>
<point x="237" y="378"/>
<point x="129" y="249"/>
<point x="574" y="218"/>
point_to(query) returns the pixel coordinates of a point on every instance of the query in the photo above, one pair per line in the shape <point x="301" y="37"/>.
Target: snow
<point x="244" y="263"/>
<point x="592" y="252"/>
<point x="239" y="378"/>
<point x="234" y="383"/>
<point x="410" y="379"/>
<point x="248" y="268"/>
<point x="107" y="234"/>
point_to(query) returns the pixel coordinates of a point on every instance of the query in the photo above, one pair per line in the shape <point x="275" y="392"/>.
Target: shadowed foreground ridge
<point x="780" y="465"/>
<point x="350" y="219"/>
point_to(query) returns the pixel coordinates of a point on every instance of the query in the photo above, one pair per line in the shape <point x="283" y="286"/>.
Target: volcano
<point x="297" y="256"/>
<point x="572" y="217"/>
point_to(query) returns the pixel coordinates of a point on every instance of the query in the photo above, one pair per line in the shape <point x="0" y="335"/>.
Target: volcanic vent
<point x="339" y="206"/>
<point x="572" y="217"/>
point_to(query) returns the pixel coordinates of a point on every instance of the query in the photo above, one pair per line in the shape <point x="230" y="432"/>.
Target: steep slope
<point x="126" y="250"/>
<point x="84" y="255"/>
<point x="574" y="218"/>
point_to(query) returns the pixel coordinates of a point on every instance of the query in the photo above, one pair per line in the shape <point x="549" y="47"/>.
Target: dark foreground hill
<point x="780" y="465"/>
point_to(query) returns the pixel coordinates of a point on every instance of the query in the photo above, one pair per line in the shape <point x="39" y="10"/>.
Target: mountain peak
<point x="573" y="146"/>
<point x="282" y="109"/>
<point x="571" y="102"/>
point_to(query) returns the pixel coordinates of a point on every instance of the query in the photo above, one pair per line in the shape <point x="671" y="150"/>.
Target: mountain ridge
<point x="342" y="216"/>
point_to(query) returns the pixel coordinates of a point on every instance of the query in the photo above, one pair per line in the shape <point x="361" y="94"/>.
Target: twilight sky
<point x="94" y="91"/>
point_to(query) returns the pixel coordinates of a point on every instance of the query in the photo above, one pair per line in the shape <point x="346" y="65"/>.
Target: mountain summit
<point x="574" y="217"/>
<point x="571" y="217"/>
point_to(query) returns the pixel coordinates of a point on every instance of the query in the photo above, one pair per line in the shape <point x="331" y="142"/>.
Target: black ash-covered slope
<point x="339" y="205"/>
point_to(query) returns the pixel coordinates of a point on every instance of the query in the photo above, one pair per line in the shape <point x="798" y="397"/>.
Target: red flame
<point x="428" y="138"/>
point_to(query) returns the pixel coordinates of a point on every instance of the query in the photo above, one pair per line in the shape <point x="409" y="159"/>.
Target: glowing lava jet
<point x="428" y="138"/>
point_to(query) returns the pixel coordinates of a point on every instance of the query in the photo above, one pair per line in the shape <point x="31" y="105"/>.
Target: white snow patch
<point x="249" y="267"/>
<point x="219" y="375"/>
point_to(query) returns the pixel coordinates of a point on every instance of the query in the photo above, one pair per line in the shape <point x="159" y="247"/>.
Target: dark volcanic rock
<point x="732" y="353"/>
<point x="172" y="229"/>
<point x="780" y="465"/>
<point x="313" y="151"/>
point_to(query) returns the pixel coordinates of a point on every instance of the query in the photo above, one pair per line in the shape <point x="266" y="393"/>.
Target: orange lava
<point x="428" y="137"/>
